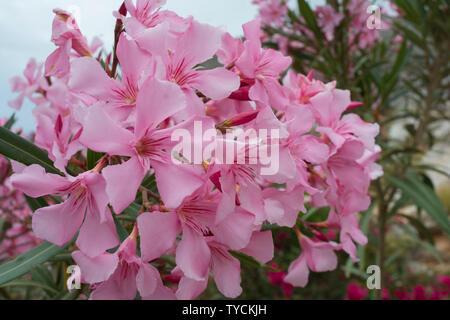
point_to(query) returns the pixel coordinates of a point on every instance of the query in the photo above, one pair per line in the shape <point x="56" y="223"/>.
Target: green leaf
<point x="433" y="168"/>
<point x="150" y="183"/>
<point x="17" y="148"/>
<point x="243" y="258"/>
<point x="316" y="214"/>
<point x="42" y="275"/>
<point x="424" y="244"/>
<point x="212" y="63"/>
<point x="412" y="36"/>
<point x="8" y="125"/>
<point x="92" y="158"/>
<point x="2" y="222"/>
<point x="36" y="203"/>
<point x="121" y="231"/>
<point x="131" y="211"/>
<point x="25" y="262"/>
<point x="311" y="22"/>
<point x="28" y="283"/>
<point x="424" y="197"/>
<point x="422" y="231"/>
<point x="400" y="61"/>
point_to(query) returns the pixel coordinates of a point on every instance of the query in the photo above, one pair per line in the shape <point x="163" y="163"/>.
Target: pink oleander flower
<point x="146" y="147"/>
<point x="316" y="256"/>
<point x="119" y="275"/>
<point x="272" y="12"/>
<point x="147" y="14"/>
<point x="58" y="223"/>
<point x="261" y="68"/>
<point x="196" y="218"/>
<point x="328" y="20"/>
<point x="27" y="88"/>
<point x="119" y="94"/>
<point x="225" y="268"/>
<point x="179" y="62"/>
<point x="66" y="35"/>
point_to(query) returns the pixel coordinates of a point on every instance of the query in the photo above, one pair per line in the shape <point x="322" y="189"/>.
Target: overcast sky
<point x="26" y="31"/>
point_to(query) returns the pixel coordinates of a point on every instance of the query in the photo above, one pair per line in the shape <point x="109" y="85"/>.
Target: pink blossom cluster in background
<point x="440" y="290"/>
<point x="128" y="105"/>
<point x="274" y="13"/>
<point x="16" y="235"/>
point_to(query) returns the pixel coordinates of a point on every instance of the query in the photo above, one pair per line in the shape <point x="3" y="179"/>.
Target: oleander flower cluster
<point x="274" y="13"/>
<point x="168" y="73"/>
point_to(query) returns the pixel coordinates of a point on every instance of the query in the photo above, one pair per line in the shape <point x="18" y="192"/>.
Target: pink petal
<point x="121" y="194"/>
<point x="97" y="269"/>
<point x="260" y="246"/>
<point x="120" y="286"/>
<point x="58" y="223"/>
<point x="153" y="40"/>
<point x="199" y="42"/>
<point x="58" y="63"/>
<point x="133" y="60"/>
<point x="97" y="123"/>
<point x="95" y="236"/>
<point x="157" y="101"/>
<point x="161" y="293"/>
<point x="189" y="289"/>
<point x="181" y="177"/>
<point x="235" y="230"/>
<point x="298" y="272"/>
<point x="217" y="83"/>
<point x="227" y="274"/>
<point x="155" y="243"/>
<point x="328" y="106"/>
<point x="35" y="182"/>
<point x="228" y="202"/>
<point x="87" y="76"/>
<point x="147" y="279"/>
<point x="193" y="255"/>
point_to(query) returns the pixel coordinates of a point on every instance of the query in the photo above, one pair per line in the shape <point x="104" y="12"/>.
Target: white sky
<point x="26" y="31"/>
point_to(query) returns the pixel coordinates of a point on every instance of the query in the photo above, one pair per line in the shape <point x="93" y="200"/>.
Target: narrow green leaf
<point x="310" y="18"/>
<point x="423" y="244"/>
<point x="243" y="258"/>
<point x="17" y="148"/>
<point x="422" y="231"/>
<point x="400" y="61"/>
<point x="2" y="222"/>
<point x="36" y="203"/>
<point x="132" y="211"/>
<point x="28" y="283"/>
<point x="92" y="158"/>
<point x="424" y="197"/>
<point x="121" y="231"/>
<point x="150" y="183"/>
<point x="42" y="275"/>
<point x="25" y="262"/>
<point x="8" y="125"/>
